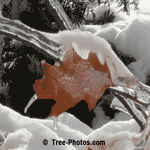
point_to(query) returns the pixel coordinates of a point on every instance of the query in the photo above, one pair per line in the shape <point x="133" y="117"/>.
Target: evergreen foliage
<point x="75" y="9"/>
<point x="107" y="17"/>
<point x="125" y="4"/>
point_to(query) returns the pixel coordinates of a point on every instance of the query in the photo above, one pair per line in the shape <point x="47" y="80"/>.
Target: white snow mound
<point x="134" y="41"/>
<point x="28" y="134"/>
<point x="108" y="33"/>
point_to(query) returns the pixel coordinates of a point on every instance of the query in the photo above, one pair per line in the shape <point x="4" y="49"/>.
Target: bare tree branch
<point x="62" y="15"/>
<point x="31" y="37"/>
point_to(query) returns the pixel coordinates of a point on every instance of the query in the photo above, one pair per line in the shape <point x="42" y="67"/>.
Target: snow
<point x="144" y="4"/>
<point x="74" y="123"/>
<point x="120" y="24"/>
<point x="98" y="28"/>
<point x="120" y="132"/>
<point x="129" y="37"/>
<point x="27" y="134"/>
<point x="91" y="28"/>
<point x="85" y="42"/>
<point x="134" y="41"/>
<point x="127" y="31"/>
<point x="108" y="33"/>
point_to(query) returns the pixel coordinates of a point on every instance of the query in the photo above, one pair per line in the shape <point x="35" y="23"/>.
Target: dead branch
<point x="31" y="37"/>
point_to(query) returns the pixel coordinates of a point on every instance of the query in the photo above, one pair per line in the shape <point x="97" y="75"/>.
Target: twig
<point x="131" y="95"/>
<point x="62" y="15"/>
<point x="33" y="38"/>
<point x="129" y="107"/>
<point x="123" y="8"/>
<point x="140" y="141"/>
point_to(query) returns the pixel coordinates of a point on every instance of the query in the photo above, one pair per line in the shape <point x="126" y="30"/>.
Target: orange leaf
<point x="74" y="80"/>
<point x="89" y="67"/>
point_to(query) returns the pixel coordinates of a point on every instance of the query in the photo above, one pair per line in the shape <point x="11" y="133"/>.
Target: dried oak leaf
<point x="89" y="67"/>
<point x="75" y="80"/>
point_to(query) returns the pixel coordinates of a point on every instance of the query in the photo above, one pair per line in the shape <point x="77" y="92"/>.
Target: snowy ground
<point x="28" y="134"/>
<point x="24" y="133"/>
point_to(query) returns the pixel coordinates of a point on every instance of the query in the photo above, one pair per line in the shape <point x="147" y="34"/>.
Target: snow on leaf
<point x="81" y="78"/>
<point x="73" y="81"/>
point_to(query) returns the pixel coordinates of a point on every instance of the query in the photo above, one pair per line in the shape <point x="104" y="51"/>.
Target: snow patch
<point x="134" y="41"/>
<point x="75" y="123"/>
<point x="91" y="28"/>
<point x="88" y="41"/>
<point x="28" y="134"/>
<point x="99" y="11"/>
<point x="108" y="33"/>
<point x="122" y="134"/>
